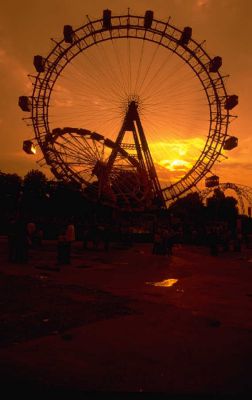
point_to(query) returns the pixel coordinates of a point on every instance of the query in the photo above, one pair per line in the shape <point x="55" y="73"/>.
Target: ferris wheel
<point x="243" y="193"/>
<point x="116" y="97"/>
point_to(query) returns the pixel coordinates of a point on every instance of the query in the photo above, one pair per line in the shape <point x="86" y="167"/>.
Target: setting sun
<point x="175" y="156"/>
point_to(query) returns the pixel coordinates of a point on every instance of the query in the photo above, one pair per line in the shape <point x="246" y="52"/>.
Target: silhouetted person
<point x="157" y="243"/>
<point x="31" y="229"/>
<point x="63" y="254"/>
<point x="12" y="240"/>
<point x="168" y="240"/>
<point x="106" y="237"/>
<point x="238" y="242"/>
<point x="95" y="236"/>
<point x="21" y="242"/>
<point x="70" y="238"/>
<point x="213" y="242"/>
<point x="85" y="237"/>
<point x="37" y="237"/>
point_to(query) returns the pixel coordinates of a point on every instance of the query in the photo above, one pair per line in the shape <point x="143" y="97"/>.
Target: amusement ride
<point x="243" y="194"/>
<point x="111" y="96"/>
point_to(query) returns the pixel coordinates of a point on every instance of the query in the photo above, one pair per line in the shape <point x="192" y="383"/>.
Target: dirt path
<point x="101" y="325"/>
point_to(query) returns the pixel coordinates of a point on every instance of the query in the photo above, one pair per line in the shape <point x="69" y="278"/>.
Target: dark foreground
<point x="99" y="326"/>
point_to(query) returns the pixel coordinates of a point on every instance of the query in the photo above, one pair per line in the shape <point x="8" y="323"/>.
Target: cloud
<point x="236" y="165"/>
<point x="14" y="70"/>
<point x="202" y="3"/>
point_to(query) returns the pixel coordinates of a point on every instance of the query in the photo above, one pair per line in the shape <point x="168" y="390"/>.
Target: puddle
<point x="164" y="283"/>
<point x="43" y="276"/>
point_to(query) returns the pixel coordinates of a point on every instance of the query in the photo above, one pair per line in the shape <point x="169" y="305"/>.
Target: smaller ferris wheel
<point x="243" y="193"/>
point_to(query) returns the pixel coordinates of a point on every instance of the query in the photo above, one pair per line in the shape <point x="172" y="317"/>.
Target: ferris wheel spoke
<point x="72" y="149"/>
<point x="80" y="168"/>
<point x="68" y="144"/>
<point x="129" y="66"/>
<point x="122" y="88"/>
<point x="139" y="68"/>
<point x="85" y="87"/>
<point x="82" y="112"/>
<point x="148" y="68"/>
<point x="84" y="145"/>
<point x="113" y="73"/>
<point x="170" y="80"/>
<point x="186" y="92"/>
<point x="102" y="74"/>
<point x="67" y="154"/>
<point x="90" y="81"/>
<point x="172" y="89"/>
<point x="85" y="172"/>
<point x="157" y="73"/>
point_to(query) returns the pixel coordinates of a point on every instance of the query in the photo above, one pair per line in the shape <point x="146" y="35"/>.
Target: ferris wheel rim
<point x="63" y="170"/>
<point x="214" y="88"/>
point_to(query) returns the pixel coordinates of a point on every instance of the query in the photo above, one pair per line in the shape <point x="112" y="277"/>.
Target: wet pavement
<point x="127" y="321"/>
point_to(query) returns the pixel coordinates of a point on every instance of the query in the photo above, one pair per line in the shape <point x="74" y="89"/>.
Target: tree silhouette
<point x="222" y="208"/>
<point x="35" y="199"/>
<point x="189" y="209"/>
<point x="10" y="190"/>
<point x="35" y="183"/>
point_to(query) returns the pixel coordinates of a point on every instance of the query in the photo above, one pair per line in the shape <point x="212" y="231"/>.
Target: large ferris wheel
<point x="116" y="97"/>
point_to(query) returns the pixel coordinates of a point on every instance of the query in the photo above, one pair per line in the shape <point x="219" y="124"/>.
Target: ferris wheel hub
<point x="132" y="100"/>
<point x="132" y="110"/>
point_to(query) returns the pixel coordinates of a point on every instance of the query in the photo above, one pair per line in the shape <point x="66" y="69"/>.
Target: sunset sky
<point x="26" y="28"/>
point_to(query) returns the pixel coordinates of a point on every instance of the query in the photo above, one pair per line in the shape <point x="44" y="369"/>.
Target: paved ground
<point x="100" y="325"/>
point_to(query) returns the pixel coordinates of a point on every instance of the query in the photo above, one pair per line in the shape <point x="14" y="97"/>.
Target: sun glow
<point x="176" y="165"/>
<point x="177" y="155"/>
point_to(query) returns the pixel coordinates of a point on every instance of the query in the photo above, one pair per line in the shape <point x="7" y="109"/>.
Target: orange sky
<point x="175" y="135"/>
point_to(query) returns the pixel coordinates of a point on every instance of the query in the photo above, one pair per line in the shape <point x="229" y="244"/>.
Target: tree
<point x="221" y="208"/>
<point x="35" y="196"/>
<point x="66" y="199"/>
<point x="10" y="190"/>
<point x="189" y="209"/>
<point x="10" y="184"/>
<point x="35" y="183"/>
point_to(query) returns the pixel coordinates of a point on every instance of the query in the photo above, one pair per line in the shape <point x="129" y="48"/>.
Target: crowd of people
<point x="26" y="234"/>
<point x="164" y="239"/>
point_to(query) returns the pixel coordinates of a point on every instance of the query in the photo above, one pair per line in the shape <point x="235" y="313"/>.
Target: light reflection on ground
<point x="165" y="283"/>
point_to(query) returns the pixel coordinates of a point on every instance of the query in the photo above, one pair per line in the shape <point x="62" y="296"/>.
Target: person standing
<point x="12" y="240"/>
<point x="31" y="229"/>
<point x="70" y="238"/>
<point x="62" y="249"/>
<point x="157" y="244"/>
<point x="21" y="242"/>
<point x="85" y="236"/>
